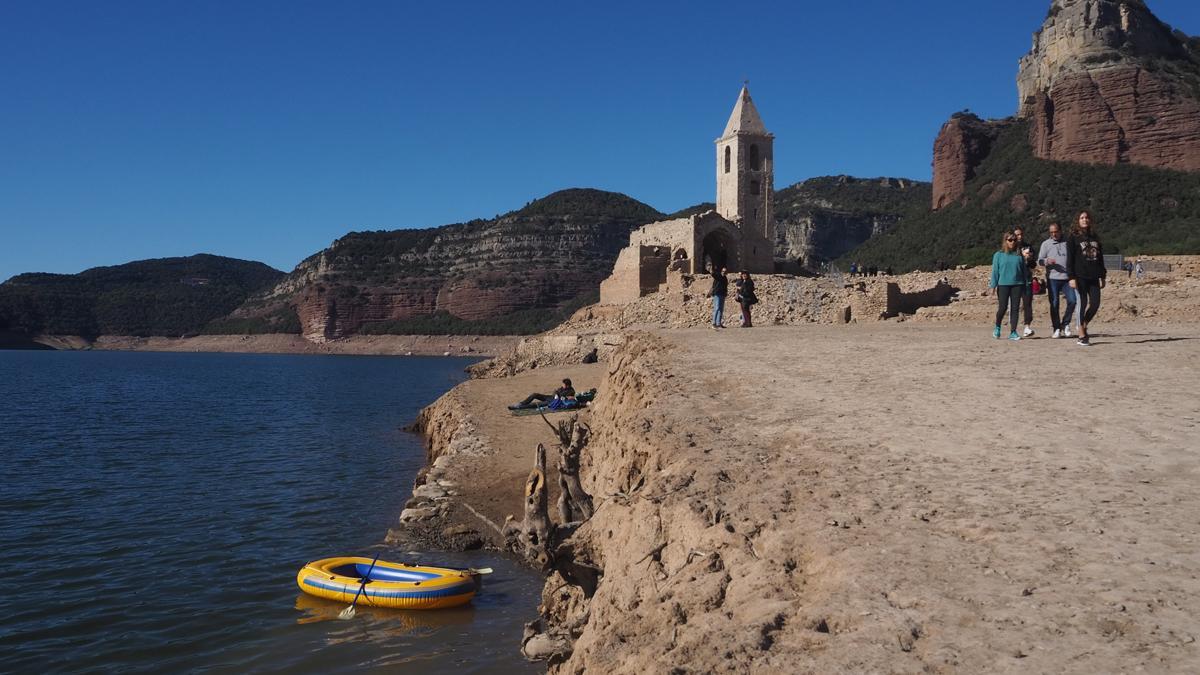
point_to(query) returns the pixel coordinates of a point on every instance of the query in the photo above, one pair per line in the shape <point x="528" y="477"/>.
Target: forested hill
<point x="1136" y="209"/>
<point x="164" y="296"/>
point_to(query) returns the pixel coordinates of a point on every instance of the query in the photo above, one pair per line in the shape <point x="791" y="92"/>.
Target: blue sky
<point x="264" y="130"/>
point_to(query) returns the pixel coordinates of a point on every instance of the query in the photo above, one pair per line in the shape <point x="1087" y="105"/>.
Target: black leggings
<point x="1008" y="298"/>
<point x="1089" y="299"/>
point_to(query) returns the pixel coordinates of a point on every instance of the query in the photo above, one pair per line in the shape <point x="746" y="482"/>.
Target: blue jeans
<point x="1061" y="286"/>
<point x="718" y="310"/>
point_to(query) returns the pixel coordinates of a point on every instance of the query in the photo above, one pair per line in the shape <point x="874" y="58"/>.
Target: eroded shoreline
<point x="841" y="497"/>
<point x="377" y="345"/>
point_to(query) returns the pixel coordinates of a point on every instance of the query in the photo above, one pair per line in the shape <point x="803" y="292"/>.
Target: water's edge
<point x="274" y="343"/>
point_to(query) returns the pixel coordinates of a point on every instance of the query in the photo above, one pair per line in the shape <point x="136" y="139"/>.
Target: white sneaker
<point x="1057" y="334"/>
<point x="1028" y="331"/>
<point x="1066" y="331"/>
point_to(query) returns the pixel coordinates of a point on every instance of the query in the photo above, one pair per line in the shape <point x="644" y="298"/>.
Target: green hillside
<point x="847" y="195"/>
<point x="165" y="296"/>
<point x="1137" y="210"/>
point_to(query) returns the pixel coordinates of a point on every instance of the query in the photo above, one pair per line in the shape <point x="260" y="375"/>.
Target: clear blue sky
<point x="264" y="130"/>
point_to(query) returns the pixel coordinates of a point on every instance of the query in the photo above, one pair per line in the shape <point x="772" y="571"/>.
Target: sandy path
<point x="951" y="502"/>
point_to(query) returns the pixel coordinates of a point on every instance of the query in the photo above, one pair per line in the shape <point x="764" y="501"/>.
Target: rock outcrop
<point x="960" y="147"/>
<point x="821" y="219"/>
<point x="536" y="259"/>
<point x="1106" y="83"/>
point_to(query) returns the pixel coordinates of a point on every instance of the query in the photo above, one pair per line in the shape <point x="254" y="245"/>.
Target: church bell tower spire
<point x="746" y="170"/>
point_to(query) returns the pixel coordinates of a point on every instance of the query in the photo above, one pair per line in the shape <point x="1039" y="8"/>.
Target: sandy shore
<point x="389" y="345"/>
<point x="881" y="498"/>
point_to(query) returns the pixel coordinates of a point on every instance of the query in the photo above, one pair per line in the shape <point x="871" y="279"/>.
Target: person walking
<point x="1053" y="257"/>
<point x="1010" y="277"/>
<point x="720" y="288"/>
<point x="746" y="297"/>
<point x="1085" y="268"/>
<point x="1139" y="270"/>
<point x="1026" y="251"/>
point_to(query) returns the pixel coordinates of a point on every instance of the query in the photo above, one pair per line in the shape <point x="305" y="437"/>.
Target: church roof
<point x="745" y="117"/>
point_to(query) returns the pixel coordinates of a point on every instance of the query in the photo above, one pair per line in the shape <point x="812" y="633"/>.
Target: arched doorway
<point x="717" y="251"/>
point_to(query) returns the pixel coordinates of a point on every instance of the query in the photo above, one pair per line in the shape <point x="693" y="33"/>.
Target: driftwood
<point x="536" y="536"/>
<point x="548" y="545"/>
<point x="532" y="537"/>
<point x="574" y="505"/>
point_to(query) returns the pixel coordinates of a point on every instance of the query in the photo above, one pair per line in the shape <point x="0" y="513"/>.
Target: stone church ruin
<point x="739" y="234"/>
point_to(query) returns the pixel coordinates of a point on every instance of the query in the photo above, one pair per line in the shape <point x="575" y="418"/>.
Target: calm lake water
<point x="155" y="508"/>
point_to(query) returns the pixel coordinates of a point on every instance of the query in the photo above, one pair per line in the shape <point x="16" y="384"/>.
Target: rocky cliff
<point x="1105" y="82"/>
<point x="820" y="219"/>
<point x="471" y="276"/>
<point x="961" y="146"/>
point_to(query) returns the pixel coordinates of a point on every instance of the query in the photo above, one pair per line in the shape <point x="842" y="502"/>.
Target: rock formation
<point x="821" y="219"/>
<point x="1105" y="82"/>
<point x="961" y="146"/>
<point x="554" y="250"/>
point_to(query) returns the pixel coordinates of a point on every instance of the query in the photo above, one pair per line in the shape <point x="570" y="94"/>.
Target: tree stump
<point x="533" y="537"/>
<point x="574" y="505"/>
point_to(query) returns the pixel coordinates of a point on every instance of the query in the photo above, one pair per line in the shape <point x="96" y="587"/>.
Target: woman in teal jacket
<point x="1010" y="276"/>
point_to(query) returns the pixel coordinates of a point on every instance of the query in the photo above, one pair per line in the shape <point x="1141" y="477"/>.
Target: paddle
<point x="348" y="613"/>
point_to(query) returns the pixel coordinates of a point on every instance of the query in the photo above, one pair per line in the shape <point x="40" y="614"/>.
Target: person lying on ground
<point x="564" y="392"/>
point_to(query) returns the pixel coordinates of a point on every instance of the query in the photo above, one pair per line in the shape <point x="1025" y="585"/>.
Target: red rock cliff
<point x="537" y="258"/>
<point x="961" y="145"/>
<point x="1106" y="82"/>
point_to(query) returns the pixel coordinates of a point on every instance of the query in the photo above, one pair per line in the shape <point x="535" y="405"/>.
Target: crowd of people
<point x="860" y="270"/>
<point x="1074" y="271"/>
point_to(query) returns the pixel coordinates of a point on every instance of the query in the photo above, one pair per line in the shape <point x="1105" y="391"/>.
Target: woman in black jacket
<point x="1085" y="269"/>
<point x="746" y="296"/>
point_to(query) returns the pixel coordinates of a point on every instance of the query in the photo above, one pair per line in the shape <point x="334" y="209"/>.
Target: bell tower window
<point x="728" y="154"/>
<point x="754" y="189"/>
<point x="755" y="164"/>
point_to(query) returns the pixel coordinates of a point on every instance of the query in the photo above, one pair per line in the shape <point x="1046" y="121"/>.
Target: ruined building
<point x="738" y="235"/>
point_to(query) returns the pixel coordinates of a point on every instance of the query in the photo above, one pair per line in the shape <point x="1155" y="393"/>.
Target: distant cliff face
<point x="823" y="218"/>
<point x="1106" y="82"/>
<point x="961" y="146"/>
<point x="531" y="260"/>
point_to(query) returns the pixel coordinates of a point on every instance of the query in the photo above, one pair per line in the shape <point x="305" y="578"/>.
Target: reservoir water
<point x="155" y="508"/>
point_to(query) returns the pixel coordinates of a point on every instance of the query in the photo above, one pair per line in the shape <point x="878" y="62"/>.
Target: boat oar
<point x="480" y="570"/>
<point x="348" y="613"/>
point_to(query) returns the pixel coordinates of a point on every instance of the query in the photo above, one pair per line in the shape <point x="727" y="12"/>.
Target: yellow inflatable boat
<point x="392" y="585"/>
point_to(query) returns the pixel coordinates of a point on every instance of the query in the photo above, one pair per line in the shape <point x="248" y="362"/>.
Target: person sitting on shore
<point x="565" y="392"/>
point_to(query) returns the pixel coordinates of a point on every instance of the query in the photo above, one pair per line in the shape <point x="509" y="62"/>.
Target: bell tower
<point x="746" y="170"/>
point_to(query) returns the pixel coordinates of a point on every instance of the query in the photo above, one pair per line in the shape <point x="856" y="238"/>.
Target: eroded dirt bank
<point x="888" y="497"/>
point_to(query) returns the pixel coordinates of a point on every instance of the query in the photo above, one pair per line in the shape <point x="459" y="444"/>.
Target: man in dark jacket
<point x="1030" y="255"/>
<point x="720" y="288"/>
<point x="565" y="391"/>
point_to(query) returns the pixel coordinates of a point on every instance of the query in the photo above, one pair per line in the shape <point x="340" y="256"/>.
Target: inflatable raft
<point x="392" y="585"/>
